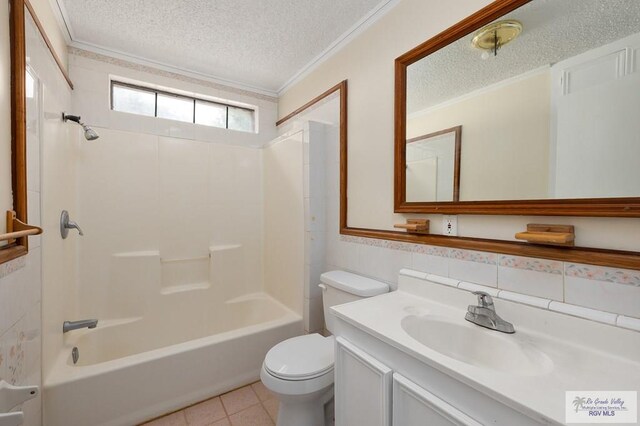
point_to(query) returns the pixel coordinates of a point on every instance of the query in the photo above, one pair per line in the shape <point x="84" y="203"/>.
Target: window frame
<point x="194" y="99"/>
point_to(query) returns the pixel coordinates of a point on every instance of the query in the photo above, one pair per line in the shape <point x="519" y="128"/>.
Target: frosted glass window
<point x="175" y="108"/>
<point x="241" y="119"/>
<point x="133" y="100"/>
<point x="166" y="104"/>
<point x="211" y="114"/>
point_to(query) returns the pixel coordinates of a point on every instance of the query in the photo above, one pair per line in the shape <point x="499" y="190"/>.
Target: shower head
<point x="89" y="133"/>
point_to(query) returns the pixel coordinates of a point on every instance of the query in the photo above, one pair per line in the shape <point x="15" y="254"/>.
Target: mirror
<point x="433" y="166"/>
<point x="548" y="98"/>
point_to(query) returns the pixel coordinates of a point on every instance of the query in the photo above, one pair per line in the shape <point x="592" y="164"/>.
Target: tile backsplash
<point x="605" y="289"/>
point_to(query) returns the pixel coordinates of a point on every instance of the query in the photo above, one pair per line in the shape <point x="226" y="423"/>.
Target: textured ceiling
<point x="553" y="30"/>
<point x="260" y="44"/>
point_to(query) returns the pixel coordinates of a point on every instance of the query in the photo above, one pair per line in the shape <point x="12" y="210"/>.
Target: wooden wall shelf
<point x="556" y="235"/>
<point x="414" y="226"/>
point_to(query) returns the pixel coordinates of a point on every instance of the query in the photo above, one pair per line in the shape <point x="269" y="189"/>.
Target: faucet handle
<point x="484" y="299"/>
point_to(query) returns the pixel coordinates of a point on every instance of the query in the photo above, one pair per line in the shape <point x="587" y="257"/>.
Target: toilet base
<point x="297" y="412"/>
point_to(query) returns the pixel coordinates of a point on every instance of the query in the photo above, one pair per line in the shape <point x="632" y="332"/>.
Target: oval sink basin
<point x="477" y="346"/>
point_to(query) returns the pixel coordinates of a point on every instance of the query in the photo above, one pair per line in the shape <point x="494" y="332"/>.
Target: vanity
<point x="409" y="358"/>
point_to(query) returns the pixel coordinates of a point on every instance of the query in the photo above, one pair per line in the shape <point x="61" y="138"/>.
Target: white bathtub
<point x="133" y="369"/>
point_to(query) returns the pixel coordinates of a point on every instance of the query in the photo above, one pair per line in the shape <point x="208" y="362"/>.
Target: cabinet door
<point x="362" y="388"/>
<point x="415" y="406"/>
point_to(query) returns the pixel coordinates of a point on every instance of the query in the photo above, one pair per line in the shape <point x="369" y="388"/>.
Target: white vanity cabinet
<point x="415" y="406"/>
<point x="372" y="388"/>
<point x="367" y="392"/>
<point x="363" y="391"/>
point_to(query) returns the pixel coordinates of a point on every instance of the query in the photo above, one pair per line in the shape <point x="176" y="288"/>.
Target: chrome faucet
<point x="485" y="315"/>
<point x="74" y="325"/>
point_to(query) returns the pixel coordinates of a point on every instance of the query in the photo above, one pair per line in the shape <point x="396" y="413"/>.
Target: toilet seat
<point x="301" y="358"/>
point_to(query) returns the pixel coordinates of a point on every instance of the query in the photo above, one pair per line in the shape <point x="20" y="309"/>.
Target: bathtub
<point x="133" y="369"/>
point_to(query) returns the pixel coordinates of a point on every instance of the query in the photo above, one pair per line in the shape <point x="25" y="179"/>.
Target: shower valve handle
<point x="66" y="224"/>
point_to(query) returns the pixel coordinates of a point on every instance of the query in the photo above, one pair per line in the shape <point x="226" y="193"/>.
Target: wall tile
<point x="473" y="256"/>
<point x="531" y="264"/>
<point x="534" y="283"/>
<point x="382" y="263"/>
<point x="12" y="266"/>
<point x="313" y="315"/>
<point x="429" y="263"/>
<point x="601" y="273"/>
<point x="607" y="296"/>
<point x="477" y="272"/>
<point x="313" y="272"/>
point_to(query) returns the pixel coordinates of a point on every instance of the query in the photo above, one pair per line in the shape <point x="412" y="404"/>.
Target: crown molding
<point x="358" y="28"/>
<point x="89" y="47"/>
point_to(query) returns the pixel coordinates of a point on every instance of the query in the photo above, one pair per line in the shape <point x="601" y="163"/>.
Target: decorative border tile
<point x="601" y="273"/>
<point x="12" y="266"/>
<point x="397" y="245"/>
<point x="531" y="264"/>
<point x="474" y="256"/>
<point x="432" y="250"/>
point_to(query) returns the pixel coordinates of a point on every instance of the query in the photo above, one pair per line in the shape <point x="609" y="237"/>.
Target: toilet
<point x="299" y="371"/>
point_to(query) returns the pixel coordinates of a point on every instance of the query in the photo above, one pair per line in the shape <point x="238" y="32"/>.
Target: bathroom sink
<point x="477" y="346"/>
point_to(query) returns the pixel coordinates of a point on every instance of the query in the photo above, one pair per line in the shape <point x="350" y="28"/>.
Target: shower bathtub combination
<point x="182" y="331"/>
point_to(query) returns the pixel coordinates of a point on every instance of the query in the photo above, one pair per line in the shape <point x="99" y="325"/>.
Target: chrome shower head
<point x="89" y="133"/>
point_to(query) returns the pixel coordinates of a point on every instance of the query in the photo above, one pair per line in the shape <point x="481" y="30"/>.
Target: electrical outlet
<point x="450" y="225"/>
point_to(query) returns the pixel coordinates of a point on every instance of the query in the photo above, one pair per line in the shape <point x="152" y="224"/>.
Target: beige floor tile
<point x="173" y="419"/>
<point x="239" y="399"/>
<point x="252" y="416"/>
<point x="271" y="405"/>
<point x="205" y="413"/>
<point x="223" y="422"/>
<point x="262" y="392"/>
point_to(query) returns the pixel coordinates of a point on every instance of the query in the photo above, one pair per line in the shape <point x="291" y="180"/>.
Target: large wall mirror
<point x="547" y="94"/>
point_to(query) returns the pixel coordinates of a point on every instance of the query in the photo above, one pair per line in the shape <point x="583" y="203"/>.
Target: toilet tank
<point x="340" y="287"/>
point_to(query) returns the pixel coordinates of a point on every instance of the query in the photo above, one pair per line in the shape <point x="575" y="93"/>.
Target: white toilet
<point x="299" y="371"/>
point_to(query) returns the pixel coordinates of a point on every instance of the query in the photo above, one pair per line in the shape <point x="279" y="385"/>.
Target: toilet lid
<point x="301" y="357"/>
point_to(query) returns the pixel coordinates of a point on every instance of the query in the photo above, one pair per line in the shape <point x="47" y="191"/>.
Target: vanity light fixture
<point x="492" y="37"/>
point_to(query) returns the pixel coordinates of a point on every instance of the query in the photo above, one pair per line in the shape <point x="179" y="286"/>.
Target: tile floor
<point x="252" y="405"/>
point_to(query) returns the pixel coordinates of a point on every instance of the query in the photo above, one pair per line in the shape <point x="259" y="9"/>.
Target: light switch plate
<point x="450" y="226"/>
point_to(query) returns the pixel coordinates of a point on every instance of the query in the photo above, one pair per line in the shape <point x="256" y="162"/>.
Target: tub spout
<point x="74" y="325"/>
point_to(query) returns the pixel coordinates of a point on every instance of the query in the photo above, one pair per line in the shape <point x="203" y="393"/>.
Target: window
<point x="134" y="99"/>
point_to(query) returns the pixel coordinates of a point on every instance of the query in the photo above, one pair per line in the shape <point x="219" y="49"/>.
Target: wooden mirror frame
<point x="603" y="207"/>
<point x="18" y="127"/>
<point x="18" y="54"/>
<point x="615" y="258"/>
